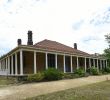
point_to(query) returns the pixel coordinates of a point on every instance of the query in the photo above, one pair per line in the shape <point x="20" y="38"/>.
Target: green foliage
<point x="68" y="75"/>
<point x="71" y="75"/>
<point x="107" y="37"/>
<point x="107" y="69"/>
<point x="94" y="71"/>
<point x="88" y="70"/>
<point x="107" y="53"/>
<point x="35" y="77"/>
<point x="97" y="91"/>
<point x="52" y="74"/>
<point x="80" y="72"/>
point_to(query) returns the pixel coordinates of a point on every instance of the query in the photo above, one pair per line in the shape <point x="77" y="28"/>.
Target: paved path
<point x="34" y="89"/>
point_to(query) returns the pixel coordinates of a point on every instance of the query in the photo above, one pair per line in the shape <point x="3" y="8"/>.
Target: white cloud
<point x="53" y="19"/>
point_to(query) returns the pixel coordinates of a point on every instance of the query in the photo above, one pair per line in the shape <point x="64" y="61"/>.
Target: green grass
<point x="97" y="91"/>
<point x="4" y="81"/>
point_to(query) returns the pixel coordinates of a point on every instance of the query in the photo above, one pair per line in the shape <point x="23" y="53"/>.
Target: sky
<point x="84" y="22"/>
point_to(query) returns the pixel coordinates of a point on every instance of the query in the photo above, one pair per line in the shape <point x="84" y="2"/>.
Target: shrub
<point x="35" y="77"/>
<point x="52" y="74"/>
<point x="68" y="75"/>
<point x="80" y="72"/>
<point x="94" y="71"/>
<point x="88" y="70"/>
<point x="107" y="69"/>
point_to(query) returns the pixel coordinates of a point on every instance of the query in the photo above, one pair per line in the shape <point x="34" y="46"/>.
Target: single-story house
<point x="30" y="59"/>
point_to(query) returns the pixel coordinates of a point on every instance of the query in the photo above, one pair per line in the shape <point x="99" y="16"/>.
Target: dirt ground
<point x="29" y="90"/>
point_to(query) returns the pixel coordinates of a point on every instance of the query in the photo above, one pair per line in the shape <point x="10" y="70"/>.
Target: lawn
<point x="4" y="81"/>
<point x="97" y="91"/>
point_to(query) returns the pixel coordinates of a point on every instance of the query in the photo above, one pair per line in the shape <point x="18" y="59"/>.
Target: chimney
<point x="30" y="41"/>
<point x="75" y="46"/>
<point x="19" y="42"/>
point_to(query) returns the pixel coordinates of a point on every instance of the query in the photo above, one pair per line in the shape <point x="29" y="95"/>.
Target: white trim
<point x="58" y="53"/>
<point x="21" y="62"/>
<point x="9" y="54"/>
<point x="35" y="63"/>
<point x="71" y="65"/>
<point x="56" y="65"/>
<point x="16" y="64"/>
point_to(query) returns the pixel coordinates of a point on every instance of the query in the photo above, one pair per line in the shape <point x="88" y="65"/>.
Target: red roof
<point x="53" y="45"/>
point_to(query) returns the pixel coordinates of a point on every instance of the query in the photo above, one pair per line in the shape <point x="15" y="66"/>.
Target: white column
<point x="12" y="65"/>
<point x="101" y="64"/>
<point x="16" y="64"/>
<point x="3" y="65"/>
<point x="8" y="65"/>
<point x="85" y="64"/>
<point x="46" y="60"/>
<point x="97" y="64"/>
<point x="77" y="63"/>
<point x="89" y="62"/>
<point x="35" y="63"/>
<point x="56" y="61"/>
<point x="64" y="63"/>
<point x="106" y="63"/>
<point x="94" y="62"/>
<point x="71" y="65"/>
<point x="21" y="62"/>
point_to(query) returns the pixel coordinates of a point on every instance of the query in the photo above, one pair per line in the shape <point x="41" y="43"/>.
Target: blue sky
<point x="67" y="21"/>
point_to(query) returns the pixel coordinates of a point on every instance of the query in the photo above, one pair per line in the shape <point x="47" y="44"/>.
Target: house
<point x="30" y="59"/>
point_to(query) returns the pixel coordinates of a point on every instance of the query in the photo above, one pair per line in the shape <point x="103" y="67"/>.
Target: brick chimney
<point x="75" y="46"/>
<point x="30" y="41"/>
<point x="19" y="42"/>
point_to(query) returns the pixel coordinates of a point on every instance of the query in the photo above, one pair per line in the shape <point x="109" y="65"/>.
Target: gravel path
<point x="34" y="89"/>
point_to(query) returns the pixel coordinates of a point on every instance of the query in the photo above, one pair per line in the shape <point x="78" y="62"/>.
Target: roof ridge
<point x="58" y="44"/>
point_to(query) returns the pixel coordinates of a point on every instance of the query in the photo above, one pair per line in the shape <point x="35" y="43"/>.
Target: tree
<point x="107" y="53"/>
<point x="107" y="37"/>
<point x="107" y="50"/>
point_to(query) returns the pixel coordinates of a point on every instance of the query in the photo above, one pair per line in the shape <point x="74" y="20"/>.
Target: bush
<point x="88" y="70"/>
<point x="35" y="77"/>
<point x="52" y="74"/>
<point x="107" y="69"/>
<point x="80" y="72"/>
<point x="94" y="71"/>
<point x="68" y="75"/>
